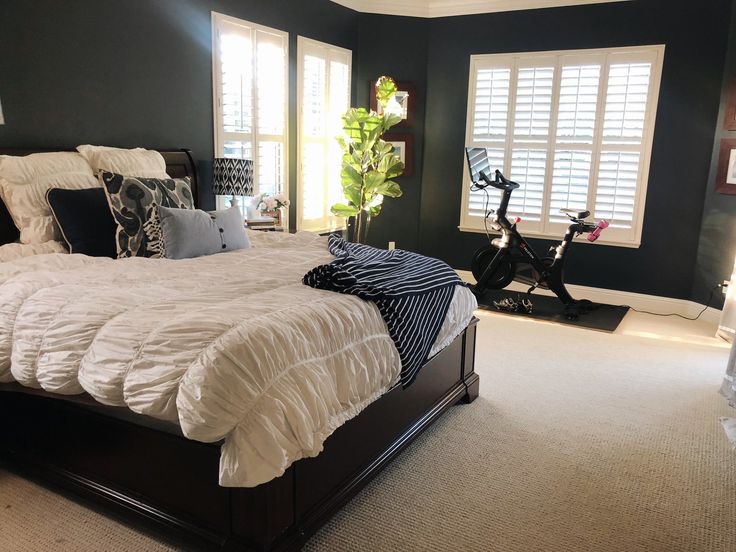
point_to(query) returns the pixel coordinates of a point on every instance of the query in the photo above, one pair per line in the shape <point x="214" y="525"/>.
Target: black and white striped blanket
<point x="412" y="292"/>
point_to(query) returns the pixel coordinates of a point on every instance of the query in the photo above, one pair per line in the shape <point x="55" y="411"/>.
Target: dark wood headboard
<point x="179" y="163"/>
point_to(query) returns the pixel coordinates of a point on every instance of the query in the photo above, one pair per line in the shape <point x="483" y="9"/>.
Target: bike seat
<point x="575" y="213"/>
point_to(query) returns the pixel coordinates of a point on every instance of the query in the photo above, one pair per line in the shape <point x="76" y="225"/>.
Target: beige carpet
<point x="580" y="441"/>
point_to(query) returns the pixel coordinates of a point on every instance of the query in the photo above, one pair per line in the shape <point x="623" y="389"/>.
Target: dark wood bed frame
<point x="148" y="472"/>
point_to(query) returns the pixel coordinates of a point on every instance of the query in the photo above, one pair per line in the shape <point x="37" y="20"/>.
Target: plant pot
<point x="356" y="230"/>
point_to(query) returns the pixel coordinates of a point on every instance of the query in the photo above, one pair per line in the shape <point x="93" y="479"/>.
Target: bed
<point x="145" y="466"/>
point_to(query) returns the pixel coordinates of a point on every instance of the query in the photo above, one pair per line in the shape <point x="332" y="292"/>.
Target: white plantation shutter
<point x="528" y="166"/>
<point x="250" y="64"/>
<point x="491" y="104"/>
<point x="323" y="91"/>
<point x="570" y="179"/>
<point x="578" y="103"/>
<point x="533" y="103"/>
<point x="574" y="128"/>
<point x="623" y="142"/>
<point x="616" y="194"/>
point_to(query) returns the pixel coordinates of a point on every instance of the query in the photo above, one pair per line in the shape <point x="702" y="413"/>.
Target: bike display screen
<point x="477" y="162"/>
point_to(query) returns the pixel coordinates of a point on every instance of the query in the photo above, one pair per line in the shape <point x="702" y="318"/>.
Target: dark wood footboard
<point x="170" y="481"/>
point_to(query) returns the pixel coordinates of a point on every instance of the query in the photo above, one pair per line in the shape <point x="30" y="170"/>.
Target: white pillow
<point x="127" y="162"/>
<point x="23" y="185"/>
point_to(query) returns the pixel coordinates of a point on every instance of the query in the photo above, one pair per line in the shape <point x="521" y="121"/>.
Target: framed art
<point x="406" y="96"/>
<point x="729" y="122"/>
<point x="726" y="175"/>
<point x="403" y="147"/>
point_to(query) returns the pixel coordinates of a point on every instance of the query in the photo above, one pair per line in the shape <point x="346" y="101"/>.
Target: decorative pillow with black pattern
<point x="134" y="204"/>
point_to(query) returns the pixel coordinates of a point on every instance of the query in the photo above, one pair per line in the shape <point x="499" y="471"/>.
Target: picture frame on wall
<point x="726" y="175"/>
<point x="730" y="121"/>
<point x="406" y="95"/>
<point x="403" y="144"/>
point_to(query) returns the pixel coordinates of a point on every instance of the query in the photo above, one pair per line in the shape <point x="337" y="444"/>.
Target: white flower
<point x="270" y="203"/>
<point x="281" y="198"/>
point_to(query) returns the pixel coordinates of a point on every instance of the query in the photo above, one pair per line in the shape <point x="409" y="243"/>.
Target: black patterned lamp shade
<point x="233" y="177"/>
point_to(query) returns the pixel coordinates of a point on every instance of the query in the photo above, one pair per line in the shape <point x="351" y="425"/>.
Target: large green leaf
<point x="372" y="180"/>
<point x="389" y="120"/>
<point x="351" y="174"/>
<point x="385" y="90"/>
<point x="390" y="188"/>
<point x="396" y="168"/>
<point x="352" y="194"/>
<point x="391" y="165"/>
<point x="342" y="210"/>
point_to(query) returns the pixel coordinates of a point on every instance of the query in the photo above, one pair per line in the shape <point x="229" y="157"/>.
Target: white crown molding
<point x="445" y="8"/>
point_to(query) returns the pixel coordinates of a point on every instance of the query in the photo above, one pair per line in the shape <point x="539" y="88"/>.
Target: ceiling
<point x="443" y="8"/>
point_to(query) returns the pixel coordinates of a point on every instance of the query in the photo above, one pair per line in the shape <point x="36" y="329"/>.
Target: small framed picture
<point x="730" y="122"/>
<point x="406" y="96"/>
<point x="726" y="177"/>
<point x="403" y="144"/>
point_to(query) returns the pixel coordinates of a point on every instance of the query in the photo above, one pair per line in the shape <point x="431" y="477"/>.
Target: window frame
<point x="304" y="45"/>
<point x="513" y="61"/>
<point x="220" y="136"/>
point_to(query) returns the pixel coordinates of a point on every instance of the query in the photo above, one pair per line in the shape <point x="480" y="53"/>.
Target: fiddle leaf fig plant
<point x="369" y="164"/>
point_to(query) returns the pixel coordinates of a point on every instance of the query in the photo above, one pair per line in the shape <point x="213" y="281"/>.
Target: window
<point x="574" y="128"/>
<point x="250" y="66"/>
<point x="323" y="90"/>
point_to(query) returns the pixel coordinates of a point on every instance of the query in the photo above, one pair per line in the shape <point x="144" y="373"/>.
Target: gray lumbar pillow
<point x="192" y="233"/>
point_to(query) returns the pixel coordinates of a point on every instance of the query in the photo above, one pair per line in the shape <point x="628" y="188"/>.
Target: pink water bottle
<point x="595" y="234"/>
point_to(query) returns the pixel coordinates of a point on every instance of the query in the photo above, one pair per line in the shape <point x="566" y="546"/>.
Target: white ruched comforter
<point x="231" y="347"/>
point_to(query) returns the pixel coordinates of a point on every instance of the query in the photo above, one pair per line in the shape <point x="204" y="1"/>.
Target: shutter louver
<point x="616" y="193"/>
<point x="324" y="96"/>
<point x="578" y="103"/>
<point x="626" y="103"/>
<point x="313" y="177"/>
<point x="339" y="104"/>
<point x="491" y="104"/>
<point x="533" y="103"/>
<point x="236" y="53"/>
<point x="569" y="183"/>
<point x="528" y="169"/>
<point x="270" y="86"/>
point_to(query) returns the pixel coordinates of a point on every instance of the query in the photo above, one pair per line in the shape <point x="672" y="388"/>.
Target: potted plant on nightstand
<point x="369" y="164"/>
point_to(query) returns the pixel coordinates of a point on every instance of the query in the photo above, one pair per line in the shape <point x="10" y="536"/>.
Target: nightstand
<point x="263" y="224"/>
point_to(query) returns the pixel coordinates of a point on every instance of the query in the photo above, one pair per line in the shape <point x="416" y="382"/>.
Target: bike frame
<point x="513" y="247"/>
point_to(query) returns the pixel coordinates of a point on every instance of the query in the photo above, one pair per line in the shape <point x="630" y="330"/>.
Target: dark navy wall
<point x="135" y="72"/>
<point x="717" y="247"/>
<point x="695" y="34"/>
<point x="396" y="46"/>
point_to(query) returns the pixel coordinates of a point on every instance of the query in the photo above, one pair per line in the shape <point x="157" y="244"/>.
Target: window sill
<point x="321" y="231"/>
<point x="557" y="237"/>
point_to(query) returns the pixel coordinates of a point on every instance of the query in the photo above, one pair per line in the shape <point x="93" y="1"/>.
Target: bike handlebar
<point x="499" y="182"/>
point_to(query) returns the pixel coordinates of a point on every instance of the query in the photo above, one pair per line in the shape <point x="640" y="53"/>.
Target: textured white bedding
<point x="14" y="251"/>
<point x="230" y="346"/>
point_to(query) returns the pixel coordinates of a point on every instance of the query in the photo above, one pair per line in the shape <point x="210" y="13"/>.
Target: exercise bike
<point x="496" y="265"/>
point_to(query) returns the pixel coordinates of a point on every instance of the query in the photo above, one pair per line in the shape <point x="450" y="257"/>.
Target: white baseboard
<point x="639" y="301"/>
